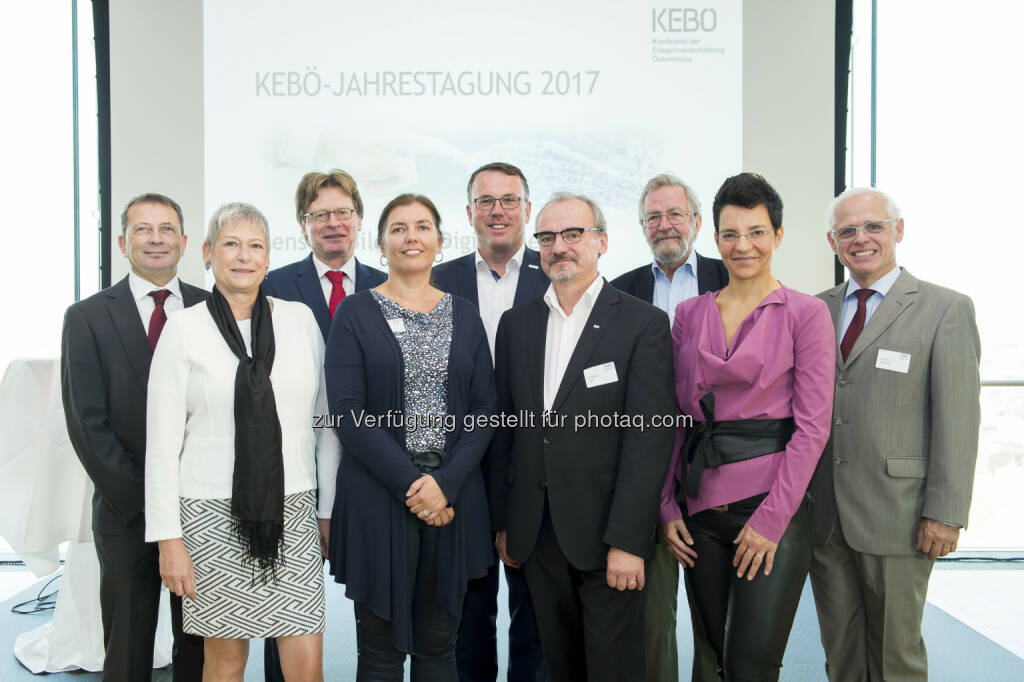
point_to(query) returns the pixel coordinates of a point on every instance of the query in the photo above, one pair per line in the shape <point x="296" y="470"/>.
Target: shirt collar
<point x="515" y="262"/>
<point x="349" y="268"/>
<point x="882" y="285"/>
<point x="140" y="288"/>
<point x="690" y="262"/>
<point x="586" y="300"/>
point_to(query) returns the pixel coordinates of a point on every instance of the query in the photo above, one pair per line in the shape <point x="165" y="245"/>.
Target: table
<point x="46" y="500"/>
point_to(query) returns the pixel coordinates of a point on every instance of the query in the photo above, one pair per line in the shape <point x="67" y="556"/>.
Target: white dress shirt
<point x="562" y="335"/>
<point x="496" y="295"/>
<point x="146" y="304"/>
<point x="190" y="420"/>
<point x="348" y="282"/>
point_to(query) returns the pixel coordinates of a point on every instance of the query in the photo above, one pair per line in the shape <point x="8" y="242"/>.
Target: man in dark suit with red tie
<point x="330" y="214"/>
<point x="106" y="348"/>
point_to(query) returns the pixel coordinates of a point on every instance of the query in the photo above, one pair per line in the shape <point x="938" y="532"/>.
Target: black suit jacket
<point x="602" y="484"/>
<point x="459" y="277"/>
<point x="299" y="282"/>
<point x="711" y="276"/>
<point x="105" y="358"/>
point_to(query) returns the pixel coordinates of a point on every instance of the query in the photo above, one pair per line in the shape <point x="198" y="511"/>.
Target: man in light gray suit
<point x="893" y="487"/>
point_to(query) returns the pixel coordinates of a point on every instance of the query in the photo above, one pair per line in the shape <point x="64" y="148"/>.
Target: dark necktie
<point x="337" y="291"/>
<point x="159" y="316"/>
<point x="857" y="323"/>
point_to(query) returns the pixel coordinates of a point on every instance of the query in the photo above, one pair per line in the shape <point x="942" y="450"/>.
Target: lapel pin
<point x="597" y="326"/>
<point x="531" y="265"/>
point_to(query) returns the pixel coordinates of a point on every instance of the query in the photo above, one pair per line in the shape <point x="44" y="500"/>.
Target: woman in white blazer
<point x="232" y="457"/>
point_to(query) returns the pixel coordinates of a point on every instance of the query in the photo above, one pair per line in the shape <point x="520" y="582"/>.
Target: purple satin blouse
<point x="781" y="364"/>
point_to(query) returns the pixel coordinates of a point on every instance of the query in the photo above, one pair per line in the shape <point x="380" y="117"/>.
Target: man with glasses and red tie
<point x="106" y="348"/>
<point x="893" y="487"/>
<point x="330" y="214"/>
<point x="501" y="273"/>
<point x="670" y="219"/>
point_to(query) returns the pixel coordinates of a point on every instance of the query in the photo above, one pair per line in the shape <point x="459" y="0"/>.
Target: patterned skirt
<point x="232" y="599"/>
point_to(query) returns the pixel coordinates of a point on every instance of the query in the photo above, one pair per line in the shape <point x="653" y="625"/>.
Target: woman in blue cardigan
<point x="408" y="376"/>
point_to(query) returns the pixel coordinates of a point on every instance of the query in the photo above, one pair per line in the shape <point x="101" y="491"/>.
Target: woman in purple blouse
<point x="754" y="367"/>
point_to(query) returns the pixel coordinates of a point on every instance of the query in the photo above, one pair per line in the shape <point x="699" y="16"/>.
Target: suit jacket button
<point x="547" y="440"/>
<point x="542" y="484"/>
<point x="837" y="461"/>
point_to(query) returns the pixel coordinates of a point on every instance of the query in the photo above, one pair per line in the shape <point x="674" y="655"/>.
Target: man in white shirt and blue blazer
<point x="501" y="273"/>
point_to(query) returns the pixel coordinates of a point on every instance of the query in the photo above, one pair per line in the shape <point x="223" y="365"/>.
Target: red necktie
<point x="337" y="292"/>
<point x="857" y="323"/>
<point x="159" y="316"/>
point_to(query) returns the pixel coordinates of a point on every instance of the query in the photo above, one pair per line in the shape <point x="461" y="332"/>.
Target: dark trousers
<point x="588" y="631"/>
<point x="129" y="603"/>
<point x="476" y="651"/>
<point x="759" y="613"/>
<point x="434" y="630"/>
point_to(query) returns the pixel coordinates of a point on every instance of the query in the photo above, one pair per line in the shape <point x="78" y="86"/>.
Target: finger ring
<point x="424" y="513"/>
<point x="759" y="556"/>
<point x="632" y="582"/>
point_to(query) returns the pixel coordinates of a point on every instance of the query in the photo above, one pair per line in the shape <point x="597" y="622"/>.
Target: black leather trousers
<point x="434" y="630"/>
<point x="747" y="622"/>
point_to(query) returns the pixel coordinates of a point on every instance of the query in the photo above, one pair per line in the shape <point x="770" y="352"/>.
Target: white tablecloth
<point x="45" y="500"/>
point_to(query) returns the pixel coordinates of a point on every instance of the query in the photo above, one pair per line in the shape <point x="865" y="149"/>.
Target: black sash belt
<point x="714" y="443"/>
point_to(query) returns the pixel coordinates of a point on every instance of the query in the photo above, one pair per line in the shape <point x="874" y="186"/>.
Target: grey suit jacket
<point x="903" y="445"/>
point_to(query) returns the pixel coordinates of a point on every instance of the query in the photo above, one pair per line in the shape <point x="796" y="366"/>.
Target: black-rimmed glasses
<point x="570" y="235"/>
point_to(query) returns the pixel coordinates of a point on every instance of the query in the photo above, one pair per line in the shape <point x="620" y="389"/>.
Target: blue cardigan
<point x="369" y="522"/>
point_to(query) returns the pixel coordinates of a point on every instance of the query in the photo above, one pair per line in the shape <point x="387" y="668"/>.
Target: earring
<point x="440" y="257"/>
<point x="383" y="261"/>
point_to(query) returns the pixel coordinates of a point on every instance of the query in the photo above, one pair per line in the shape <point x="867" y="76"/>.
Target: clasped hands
<point x="753" y="549"/>
<point x="426" y="502"/>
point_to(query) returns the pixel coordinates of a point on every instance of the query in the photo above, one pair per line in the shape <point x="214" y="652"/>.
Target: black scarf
<point x="257" y="486"/>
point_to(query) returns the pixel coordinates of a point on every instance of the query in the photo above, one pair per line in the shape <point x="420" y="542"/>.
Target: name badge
<point x="893" y="361"/>
<point x="599" y="375"/>
<point x="397" y="325"/>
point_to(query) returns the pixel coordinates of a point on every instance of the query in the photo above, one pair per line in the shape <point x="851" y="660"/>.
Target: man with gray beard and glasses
<point x="670" y="219"/>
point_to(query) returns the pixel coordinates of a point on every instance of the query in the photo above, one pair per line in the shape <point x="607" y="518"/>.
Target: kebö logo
<point x="683" y="20"/>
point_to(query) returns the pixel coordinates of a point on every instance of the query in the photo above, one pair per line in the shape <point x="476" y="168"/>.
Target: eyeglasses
<point x="570" y="235"/>
<point x="653" y="221"/>
<point x="849" y="233"/>
<point x="322" y="217"/>
<point x="756" y="236"/>
<point x="486" y="203"/>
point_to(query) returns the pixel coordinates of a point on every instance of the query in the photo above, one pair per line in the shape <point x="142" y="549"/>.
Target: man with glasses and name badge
<point x="501" y="273"/>
<point x="574" y="495"/>
<point x="330" y="213"/>
<point x="670" y="219"/>
<point x="893" y="487"/>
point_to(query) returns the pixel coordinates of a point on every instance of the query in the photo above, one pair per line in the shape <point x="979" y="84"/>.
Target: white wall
<point x="156" y="111"/>
<point x="788" y="74"/>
